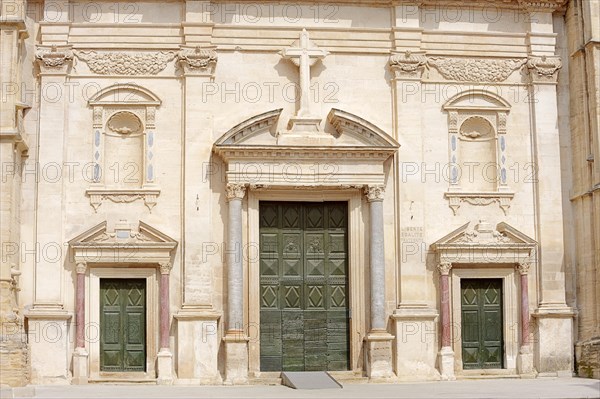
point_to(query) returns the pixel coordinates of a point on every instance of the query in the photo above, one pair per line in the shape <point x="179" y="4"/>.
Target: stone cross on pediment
<point x="304" y="54"/>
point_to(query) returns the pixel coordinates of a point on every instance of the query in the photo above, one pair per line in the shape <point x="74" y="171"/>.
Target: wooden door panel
<point x="482" y="327"/>
<point x="303" y="274"/>
<point x="123" y="325"/>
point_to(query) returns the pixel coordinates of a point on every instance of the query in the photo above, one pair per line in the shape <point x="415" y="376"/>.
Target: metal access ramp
<point x="309" y="380"/>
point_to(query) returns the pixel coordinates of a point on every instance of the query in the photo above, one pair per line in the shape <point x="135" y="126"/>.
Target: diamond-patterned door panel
<point x="482" y="326"/>
<point x="122" y="325"/>
<point x="304" y="321"/>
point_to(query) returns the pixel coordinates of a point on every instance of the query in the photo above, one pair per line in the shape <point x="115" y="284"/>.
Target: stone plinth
<point x="80" y="366"/>
<point x="198" y="347"/>
<point x="415" y="344"/>
<point x="48" y="337"/>
<point x="446" y="363"/>
<point x="164" y="367"/>
<point x="378" y="352"/>
<point x="236" y="358"/>
<point x="553" y="347"/>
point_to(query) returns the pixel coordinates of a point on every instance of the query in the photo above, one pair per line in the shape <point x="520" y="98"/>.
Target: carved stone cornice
<point x="98" y="195"/>
<point x="542" y="5"/>
<point x="81" y="267"/>
<point x="523" y="267"/>
<point x="476" y="69"/>
<point x="165" y="267"/>
<point x="374" y="193"/>
<point x="126" y="63"/>
<point x="503" y="199"/>
<point x="54" y="59"/>
<point x="444" y="268"/>
<point x="235" y="191"/>
<point x="198" y="60"/>
<point x="544" y="69"/>
<point x="408" y="65"/>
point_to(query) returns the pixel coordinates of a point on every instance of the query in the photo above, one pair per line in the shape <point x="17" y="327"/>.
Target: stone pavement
<point x="489" y="388"/>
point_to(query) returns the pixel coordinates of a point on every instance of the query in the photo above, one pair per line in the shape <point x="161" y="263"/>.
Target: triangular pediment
<point x="483" y="234"/>
<point x="122" y="234"/>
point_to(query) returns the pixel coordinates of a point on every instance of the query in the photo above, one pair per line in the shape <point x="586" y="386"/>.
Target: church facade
<point x="199" y="192"/>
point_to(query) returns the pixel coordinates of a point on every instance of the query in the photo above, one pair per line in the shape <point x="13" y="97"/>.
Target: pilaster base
<point x="446" y="362"/>
<point x="48" y="345"/>
<point x="379" y="355"/>
<point x="415" y="343"/>
<point x="525" y="362"/>
<point x="80" y="366"/>
<point x="198" y="346"/>
<point x="236" y="358"/>
<point x="554" y="344"/>
<point x="164" y="367"/>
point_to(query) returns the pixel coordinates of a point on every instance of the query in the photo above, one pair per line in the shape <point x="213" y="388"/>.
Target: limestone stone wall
<point x="421" y="71"/>
<point x="584" y="79"/>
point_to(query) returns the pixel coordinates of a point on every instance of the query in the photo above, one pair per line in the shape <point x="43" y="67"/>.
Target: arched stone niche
<point x="123" y="129"/>
<point x="478" y="150"/>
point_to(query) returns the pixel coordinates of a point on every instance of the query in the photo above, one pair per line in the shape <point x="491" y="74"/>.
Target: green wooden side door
<point x="482" y="338"/>
<point x="122" y="324"/>
<point x="304" y="319"/>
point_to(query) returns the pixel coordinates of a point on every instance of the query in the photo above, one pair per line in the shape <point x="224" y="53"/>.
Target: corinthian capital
<point x="523" y="267"/>
<point x="81" y="267"/>
<point x="235" y="191"/>
<point x="165" y="267"/>
<point x="408" y="65"/>
<point x="444" y="268"/>
<point x="374" y="193"/>
<point x="198" y="60"/>
<point x="53" y="59"/>
<point x="544" y="69"/>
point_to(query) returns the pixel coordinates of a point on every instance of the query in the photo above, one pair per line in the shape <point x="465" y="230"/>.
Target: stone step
<point x="309" y="380"/>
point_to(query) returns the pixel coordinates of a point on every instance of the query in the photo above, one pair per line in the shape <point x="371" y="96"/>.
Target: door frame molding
<point x="93" y="310"/>
<point x="356" y="257"/>
<point x="510" y="313"/>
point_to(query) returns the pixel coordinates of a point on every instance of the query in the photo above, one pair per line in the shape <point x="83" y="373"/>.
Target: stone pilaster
<point x="236" y="341"/>
<point x="525" y="358"/>
<point x="446" y="354"/>
<point x="553" y="351"/>
<point x="49" y="356"/>
<point x="164" y="364"/>
<point x="13" y="148"/>
<point x="80" y="355"/>
<point x="378" y="341"/>
<point x="198" y="338"/>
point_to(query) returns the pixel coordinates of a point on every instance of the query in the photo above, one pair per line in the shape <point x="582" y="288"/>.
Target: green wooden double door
<point x="122" y="325"/>
<point x="304" y="314"/>
<point x="482" y="338"/>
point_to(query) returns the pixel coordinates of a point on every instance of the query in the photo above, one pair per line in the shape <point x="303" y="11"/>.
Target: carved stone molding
<point x="126" y="63"/>
<point x="54" y="59"/>
<point x="97" y="196"/>
<point x="523" y="267"/>
<point x="81" y="267"/>
<point x="444" y="268"/>
<point x="544" y="69"/>
<point x="408" y="65"/>
<point x="475" y="69"/>
<point x="374" y="193"/>
<point x="542" y="5"/>
<point x="479" y="199"/>
<point x="198" y="59"/>
<point x="235" y="191"/>
<point x="165" y="267"/>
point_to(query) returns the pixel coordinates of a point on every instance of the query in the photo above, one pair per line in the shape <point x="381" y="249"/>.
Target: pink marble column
<point x="523" y="269"/>
<point x="80" y="305"/>
<point x="444" y="269"/>
<point x="165" y="269"/>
